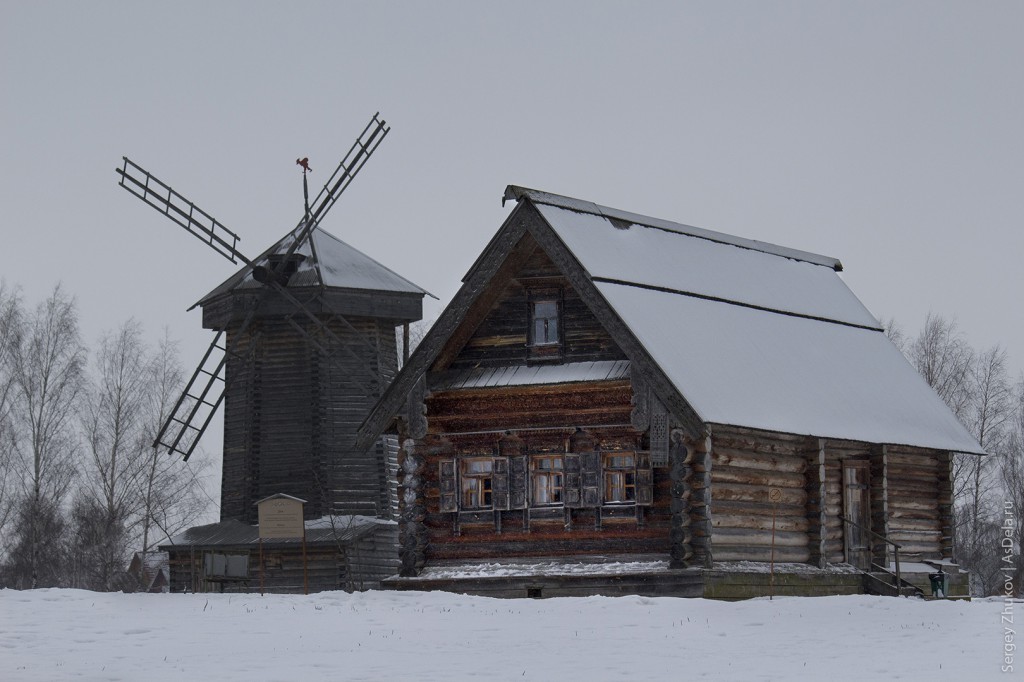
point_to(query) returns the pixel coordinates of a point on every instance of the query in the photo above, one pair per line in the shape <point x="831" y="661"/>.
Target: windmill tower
<point x="305" y="343"/>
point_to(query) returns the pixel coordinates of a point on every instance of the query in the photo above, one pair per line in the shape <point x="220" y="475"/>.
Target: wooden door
<point x="857" y="508"/>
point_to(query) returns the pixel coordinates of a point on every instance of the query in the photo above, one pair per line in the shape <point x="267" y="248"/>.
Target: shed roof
<point x="328" y="262"/>
<point x="340" y="529"/>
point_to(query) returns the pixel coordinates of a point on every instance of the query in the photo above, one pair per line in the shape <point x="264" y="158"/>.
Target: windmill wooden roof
<point x="328" y="262"/>
<point x="731" y="331"/>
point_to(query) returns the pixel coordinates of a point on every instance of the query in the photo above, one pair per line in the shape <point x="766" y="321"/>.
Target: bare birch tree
<point x="943" y="357"/>
<point x="171" y="493"/>
<point x="10" y="323"/>
<point x="131" y="496"/>
<point x="47" y="362"/>
<point x="106" y="512"/>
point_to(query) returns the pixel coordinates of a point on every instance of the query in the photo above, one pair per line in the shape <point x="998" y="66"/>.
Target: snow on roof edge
<point x="518" y="193"/>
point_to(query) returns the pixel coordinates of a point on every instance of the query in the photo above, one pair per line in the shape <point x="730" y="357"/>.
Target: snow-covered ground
<point x="77" y="635"/>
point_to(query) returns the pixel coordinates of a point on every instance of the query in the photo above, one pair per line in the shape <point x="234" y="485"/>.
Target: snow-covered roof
<point x="755" y="337"/>
<point x="657" y="258"/>
<point x="328" y="262"/>
<point x="581" y="206"/>
<point x="753" y="368"/>
<point x="234" y="532"/>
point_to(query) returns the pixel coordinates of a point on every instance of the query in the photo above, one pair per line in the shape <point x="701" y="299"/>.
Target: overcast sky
<point x="887" y="134"/>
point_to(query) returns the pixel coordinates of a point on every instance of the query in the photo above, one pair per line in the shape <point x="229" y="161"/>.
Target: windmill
<point x="305" y="342"/>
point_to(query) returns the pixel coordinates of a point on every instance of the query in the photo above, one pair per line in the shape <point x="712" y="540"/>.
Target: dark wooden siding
<point x="354" y="566"/>
<point x="291" y="415"/>
<point x="544" y="417"/>
<point x="501" y="338"/>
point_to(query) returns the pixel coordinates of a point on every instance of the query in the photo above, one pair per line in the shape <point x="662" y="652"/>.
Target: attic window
<point x="545" y="322"/>
<point x="544" y="336"/>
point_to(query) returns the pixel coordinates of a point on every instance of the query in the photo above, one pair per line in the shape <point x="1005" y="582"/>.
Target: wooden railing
<point x="895" y="546"/>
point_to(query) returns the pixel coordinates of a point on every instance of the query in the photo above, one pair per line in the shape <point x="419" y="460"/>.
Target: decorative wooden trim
<point x="412" y="534"/>
<point x="681" y="490"/>
<point x="659" y="434"/>
<point x="416" y="409"/>
<point x="640" y="417"/>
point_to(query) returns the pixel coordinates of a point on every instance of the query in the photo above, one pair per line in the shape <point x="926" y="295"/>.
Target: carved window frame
<point x="553" y="478"/>
<point x="618" y="476"/>
<point x="476" y="488"/>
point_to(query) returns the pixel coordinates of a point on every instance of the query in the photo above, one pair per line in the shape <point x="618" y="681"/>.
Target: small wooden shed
<point x="346" y="552"/>
<point x="610" y="387"/>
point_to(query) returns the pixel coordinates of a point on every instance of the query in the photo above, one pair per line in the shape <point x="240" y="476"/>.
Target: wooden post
<point x="405" y="344"/>
<point x="816" y="500"/>
<point x="261" y="567"/>
<point x="879" y="483"/>
<point x="305" y="572"/>
<point x="774" y="495"/>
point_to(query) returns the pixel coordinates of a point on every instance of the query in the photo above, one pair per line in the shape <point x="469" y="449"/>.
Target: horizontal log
<point x="781" y="523"/>
<point x="912" y="473"/>
<point x="724" y="552"/>
<point x="750" y="493"/>
<point x="910" y="451"/>
<point x="754" y="460"/>
<point x="915" y="536"/>
<point x="738" y="436"/>
<point x="903" y="523"/>
<point x="755" y="509"/>
<point x="775" y="479"/>
<point x="914" y="487"/>
<point x="741" y="536"/>
<point x="907" y="548"/>
<point x="897" y="504"/>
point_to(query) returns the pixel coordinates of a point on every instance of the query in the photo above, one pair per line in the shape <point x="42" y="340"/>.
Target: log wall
<point x="355" y="565"/>
<point x="745" y="465"/>
<point x="291" y="415"/>
<point x="920" y="502"/>
<point x="910" y="497"/>
<point x="472" y="422"/>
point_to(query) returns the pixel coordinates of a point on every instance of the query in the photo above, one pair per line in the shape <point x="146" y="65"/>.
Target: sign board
<point x="281" y="517"/>
<point x="775" y="495"/>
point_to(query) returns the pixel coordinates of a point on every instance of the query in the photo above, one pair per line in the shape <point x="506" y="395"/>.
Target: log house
<point x="673" y="402"/>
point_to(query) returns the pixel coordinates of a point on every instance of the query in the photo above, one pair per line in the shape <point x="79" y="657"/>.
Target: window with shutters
<point x="619" y="478"/>
<point x="477" y="482"/>
<point x="546" y="480"/>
